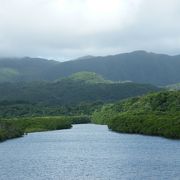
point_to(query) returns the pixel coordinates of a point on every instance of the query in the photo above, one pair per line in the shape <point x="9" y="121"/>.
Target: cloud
<point x="65" y="29"/>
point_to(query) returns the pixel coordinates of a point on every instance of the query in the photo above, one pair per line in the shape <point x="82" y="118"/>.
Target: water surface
<point x="89" y="152"/>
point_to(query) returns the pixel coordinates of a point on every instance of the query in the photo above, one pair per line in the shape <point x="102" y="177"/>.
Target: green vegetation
<point x="165" y="124"/>
<point x="10" y="129"/>
<point x="39" y="95"/>
<point x="16" y="127"/>
<point x="41" y="106"/>
<point x="36" y="124"/>
<point x="88" y="77"/>
<point x="25" y="109"/>
<point x="80" y="119"/>
<point x="152" y="114"/>
<point x="70" y="92"/>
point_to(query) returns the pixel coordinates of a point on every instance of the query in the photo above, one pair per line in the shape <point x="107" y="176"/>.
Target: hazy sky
<point x="65" y="29"/>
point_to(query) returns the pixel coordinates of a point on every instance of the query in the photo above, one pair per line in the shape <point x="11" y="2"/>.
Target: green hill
<point x="80" y="93"/>
<point x="88" y="77"/>
<point x="152" y="114"/>
<point x="78" y="88"/>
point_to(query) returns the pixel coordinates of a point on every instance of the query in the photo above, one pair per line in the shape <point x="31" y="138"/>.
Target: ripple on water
<point x="89" y="152"/>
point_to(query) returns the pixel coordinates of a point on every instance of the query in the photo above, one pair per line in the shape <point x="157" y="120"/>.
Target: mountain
<point x="78" y="88"/>
<point x="138" y="66"/>
<point x="24" y="69"/>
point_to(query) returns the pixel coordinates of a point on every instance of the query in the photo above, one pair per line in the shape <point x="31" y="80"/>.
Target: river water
<point x="89" y="152"/>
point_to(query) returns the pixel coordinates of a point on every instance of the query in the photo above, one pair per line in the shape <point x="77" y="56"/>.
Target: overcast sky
<point x="66" y="29"/>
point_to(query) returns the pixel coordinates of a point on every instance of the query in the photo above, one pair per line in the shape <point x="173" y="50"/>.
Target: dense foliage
<point x="24" y="109"/>
<point x="152" y="114"/>
<point x="70" y="91"/>
<point x="10" y="129"/>
<point x="88" y="77"/>
<point x="164" y="124"/>
<point x="43" y="123"/>
<point x="16" y="127"/>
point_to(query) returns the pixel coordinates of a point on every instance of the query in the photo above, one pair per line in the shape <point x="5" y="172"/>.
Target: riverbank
<point x="165" y="124"/>
<point x="10" y="129"/>
<point x="17" y="127"/>
<point x="153" y="114"/>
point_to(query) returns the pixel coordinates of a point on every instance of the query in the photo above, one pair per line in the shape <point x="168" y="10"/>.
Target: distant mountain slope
<point x="173" y="86"/>
<point x="88" y="77"/>
<point x="23" y="69"/>
<point x="138" y="66"/>
<point x="71" y="90"/>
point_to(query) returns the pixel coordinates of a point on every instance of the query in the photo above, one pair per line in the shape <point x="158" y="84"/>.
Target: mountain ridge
<point x="137" y="66"/>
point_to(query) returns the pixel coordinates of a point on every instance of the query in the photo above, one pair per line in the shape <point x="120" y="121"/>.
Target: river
<point x="89" y="152"/>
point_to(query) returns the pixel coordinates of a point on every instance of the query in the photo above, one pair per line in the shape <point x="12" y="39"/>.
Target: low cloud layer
<point x="65" y="29"/>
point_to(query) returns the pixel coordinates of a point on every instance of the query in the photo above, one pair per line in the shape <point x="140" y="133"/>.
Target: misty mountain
<point x="173" y="86"/>
<point x="138" y="66"/>
<point x="24" y="69"/>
